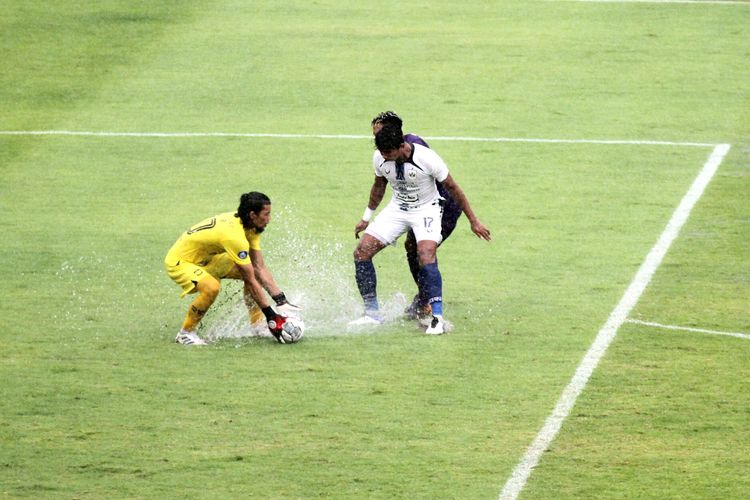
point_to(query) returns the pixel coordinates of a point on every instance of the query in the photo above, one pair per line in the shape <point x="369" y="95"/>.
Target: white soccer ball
<point x="292" y="330"/>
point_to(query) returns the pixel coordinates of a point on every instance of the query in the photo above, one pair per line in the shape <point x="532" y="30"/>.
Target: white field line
<point x="606" y="335"/>
<point x="718" y="2"/>
<point x="349" y="136"/>
<point x="688" y="329"/>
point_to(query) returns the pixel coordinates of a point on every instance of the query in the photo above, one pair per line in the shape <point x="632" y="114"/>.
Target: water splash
<point x="315" y="274"/>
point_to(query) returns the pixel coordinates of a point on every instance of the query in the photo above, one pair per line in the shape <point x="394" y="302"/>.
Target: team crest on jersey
<point x="242" y="255"/>
<point x="412" y="174"/>
<point x="387" y="170"/>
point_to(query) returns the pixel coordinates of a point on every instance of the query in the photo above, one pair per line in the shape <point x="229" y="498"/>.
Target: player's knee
<point x="426" y="255"/>
<point x="424" y="260"/>
<point x="210" y="288"/>
<point x="358" y="255"/>
<point x="364" y="251"/>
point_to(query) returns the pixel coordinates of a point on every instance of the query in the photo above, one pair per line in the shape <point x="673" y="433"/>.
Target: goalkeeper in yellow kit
<point x="227" y="246"/>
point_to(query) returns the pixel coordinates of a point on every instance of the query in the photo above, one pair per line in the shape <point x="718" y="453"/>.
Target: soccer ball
<point x="292" y="330"/>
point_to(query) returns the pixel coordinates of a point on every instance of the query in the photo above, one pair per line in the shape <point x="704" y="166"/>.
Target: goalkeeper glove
<point x="285" y="306"/>
<point x="275" y="323"/>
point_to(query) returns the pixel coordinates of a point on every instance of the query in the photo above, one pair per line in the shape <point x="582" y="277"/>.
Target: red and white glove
<point x="276" y="325"/>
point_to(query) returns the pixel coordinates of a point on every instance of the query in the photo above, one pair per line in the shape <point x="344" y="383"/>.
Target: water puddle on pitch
<point x="314" y="273"/>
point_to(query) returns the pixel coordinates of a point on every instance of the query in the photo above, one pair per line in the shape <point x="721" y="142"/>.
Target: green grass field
<point x="97" y="400"/>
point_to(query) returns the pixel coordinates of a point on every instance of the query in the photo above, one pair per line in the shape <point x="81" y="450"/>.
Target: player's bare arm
<point x="253" y="288"/>
<point x="263" y="274"/>
<point x="377" y="192"/>
<point x="458" y="194"/>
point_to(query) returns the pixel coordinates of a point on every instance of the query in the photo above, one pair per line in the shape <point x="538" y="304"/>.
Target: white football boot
<point x="185" y="337"/>
<point x="370" y="318"/>
<point x="437" y="326"/>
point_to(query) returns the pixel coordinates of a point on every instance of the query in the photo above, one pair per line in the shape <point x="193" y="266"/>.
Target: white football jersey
<point x="413" y="183"/>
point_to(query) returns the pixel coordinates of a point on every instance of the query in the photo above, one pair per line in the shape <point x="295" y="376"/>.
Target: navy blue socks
<point x="432" y="286"/>
<point x="367" y="281"/>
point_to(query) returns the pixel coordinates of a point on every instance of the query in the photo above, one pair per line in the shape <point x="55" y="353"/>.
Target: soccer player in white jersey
<point x="419" y="309"/>
<point x="411" y="170"/>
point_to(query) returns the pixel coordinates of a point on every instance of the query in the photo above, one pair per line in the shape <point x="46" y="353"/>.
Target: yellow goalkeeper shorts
<point x="188" y="274"/>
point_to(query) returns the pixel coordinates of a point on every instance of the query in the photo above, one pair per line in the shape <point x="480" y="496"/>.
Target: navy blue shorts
<point x="451" y="212"/>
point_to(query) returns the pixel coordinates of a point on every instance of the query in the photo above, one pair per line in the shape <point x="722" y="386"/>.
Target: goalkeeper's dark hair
<point x="251" y="202"/>
<point x="388" y="117"/>
<point x="389" y="137"/>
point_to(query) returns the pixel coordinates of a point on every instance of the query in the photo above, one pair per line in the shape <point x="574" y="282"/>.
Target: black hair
<point x="251" y="202"/>
<point x="389" y="137"/>
<point x="388" y="117"/>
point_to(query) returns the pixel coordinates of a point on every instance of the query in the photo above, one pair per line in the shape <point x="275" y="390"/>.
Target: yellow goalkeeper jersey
<point x="222" y="233"/>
